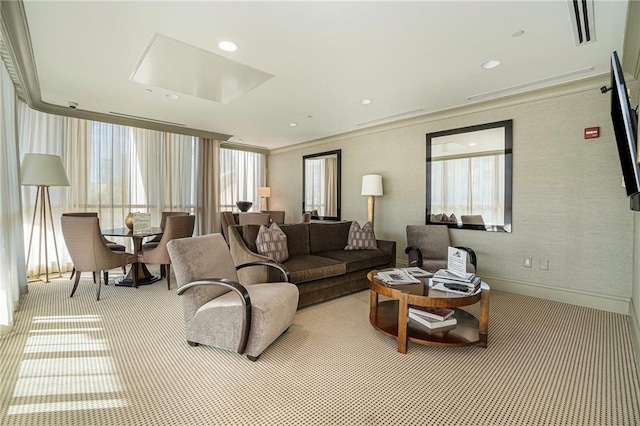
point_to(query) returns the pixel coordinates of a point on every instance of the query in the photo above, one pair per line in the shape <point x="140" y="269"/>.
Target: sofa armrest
<point x="388" y="247"/>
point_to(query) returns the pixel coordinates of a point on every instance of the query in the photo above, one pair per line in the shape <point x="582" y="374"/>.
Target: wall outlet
<point x="544" y="264"/>
<point x="528" y="261"/>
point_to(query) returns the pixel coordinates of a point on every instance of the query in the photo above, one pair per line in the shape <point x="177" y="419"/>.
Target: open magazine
<point x="397" y="277"/>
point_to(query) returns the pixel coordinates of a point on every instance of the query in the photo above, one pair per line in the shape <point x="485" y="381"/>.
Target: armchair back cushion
<point x="433" y="240"/>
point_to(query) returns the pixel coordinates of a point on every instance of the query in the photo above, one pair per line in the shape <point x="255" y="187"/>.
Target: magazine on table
<point x="396" y="277"/>
<point x="445" y="274"/>
<point x="439" y="314"/>
<point x="417" y="272"/>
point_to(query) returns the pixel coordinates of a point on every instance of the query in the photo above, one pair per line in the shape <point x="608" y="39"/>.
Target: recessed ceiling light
<point x="365" y="101"/>
<point x="491" y="64"/>
<point x="148" y="90"/>
<point x="228" y="46"/>
<point x="172" y="96"/>
<point x="517" y="33"/>
<point x="292" y="124"/>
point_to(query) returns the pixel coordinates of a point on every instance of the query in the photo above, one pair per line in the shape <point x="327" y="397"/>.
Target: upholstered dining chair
<point x="227" y="219"/>
<point x="472" y="219"/>
<point x="254" y="219"/>
<point x="112" y="245"/>
<point x="89" y="252"/>
<point x="153" y="243"/>
<point x="276" y="216"/>
<point x="427" y="248"/>
<point x="180" y="226"/>
<point x="306" y="217"/>
<point x="221" y="312"/>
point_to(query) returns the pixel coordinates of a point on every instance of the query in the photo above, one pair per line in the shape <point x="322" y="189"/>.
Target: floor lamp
<point x="372" y="187"/>
<point x="264" y="192"/>
<point x="43" y="171"/>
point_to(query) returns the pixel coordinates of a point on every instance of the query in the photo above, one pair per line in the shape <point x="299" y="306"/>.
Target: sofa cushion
<point x="357" y="260"/>
<point x="272" y="242"/>
<point x="361" y="238"/>
<point x="297" y="238"/>
<point x="309" y="268"/>
<point x="328" y="236"/>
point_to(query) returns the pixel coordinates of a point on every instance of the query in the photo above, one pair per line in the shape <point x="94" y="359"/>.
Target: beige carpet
<point x="123" y="361"/>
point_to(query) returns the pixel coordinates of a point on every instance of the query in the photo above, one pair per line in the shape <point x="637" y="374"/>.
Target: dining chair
<point x="153" y="243"/>
<point x="254" y="219"/>
<point x="113" y="246"/>
<point x="89" y="252"/>
<point x="177" y="226"/>
<point x="276" y="216"/>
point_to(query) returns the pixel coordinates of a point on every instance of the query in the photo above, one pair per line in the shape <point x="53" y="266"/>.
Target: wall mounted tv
<point x="625" y="126"/>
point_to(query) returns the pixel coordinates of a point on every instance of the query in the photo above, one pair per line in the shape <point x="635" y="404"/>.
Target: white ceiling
<point x="410" y="58"/>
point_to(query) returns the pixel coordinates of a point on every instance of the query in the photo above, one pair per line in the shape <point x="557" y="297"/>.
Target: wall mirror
<point x="469" y="177"/>
<point x="321" y="185"/>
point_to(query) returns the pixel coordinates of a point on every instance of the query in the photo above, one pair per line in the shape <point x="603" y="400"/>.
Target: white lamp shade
<point x="43" y="170"/>
<point x="372" y="185"/>
<point x="264" y="191"/>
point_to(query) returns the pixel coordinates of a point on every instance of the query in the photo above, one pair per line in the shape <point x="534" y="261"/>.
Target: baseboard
<point x="620" y="305"/>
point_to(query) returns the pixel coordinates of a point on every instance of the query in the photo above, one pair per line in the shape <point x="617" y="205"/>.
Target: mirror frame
<point x="508" y="178"/>
<point x="338" y="153"/>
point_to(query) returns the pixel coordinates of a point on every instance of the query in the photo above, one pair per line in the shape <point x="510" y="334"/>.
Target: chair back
<point x="277" y="216"/>
<point x="254" y="219"/>
<point x="85" y="244"/>
<point x="227" y="219"/>
<point x="81" y="214"/>
<point x="472" y="219"/>
<point x="165" y="215"/>
<point x="432" y="240"/>
<point x="197" y="258"/>
<point x="177" y="226"/>
<point x="306" y="217"/>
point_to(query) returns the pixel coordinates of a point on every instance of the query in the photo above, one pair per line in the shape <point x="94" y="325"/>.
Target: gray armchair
<point x="427" y="248"/>
<point x="221" y="312"/>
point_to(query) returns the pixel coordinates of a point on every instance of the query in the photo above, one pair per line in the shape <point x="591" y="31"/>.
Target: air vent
<point x="584" y="27"/>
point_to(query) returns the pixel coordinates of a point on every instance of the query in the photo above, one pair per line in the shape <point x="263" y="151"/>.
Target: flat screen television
<point x="625" y="126"/>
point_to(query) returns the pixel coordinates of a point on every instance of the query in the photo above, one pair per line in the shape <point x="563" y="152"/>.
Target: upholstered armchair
<point x="221" y="312"/>
<point x="177" y="226"/>
<point x="89" y="252"/>
<point x="427" y="248"/>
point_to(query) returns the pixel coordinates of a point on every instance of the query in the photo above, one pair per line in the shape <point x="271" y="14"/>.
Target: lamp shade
<point x="372" y="185"/>
<point x="264" y="191"/>
<point x="43" y="170"/>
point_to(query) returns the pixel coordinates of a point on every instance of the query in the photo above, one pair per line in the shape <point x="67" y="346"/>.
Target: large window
<point x="241" y="173"/>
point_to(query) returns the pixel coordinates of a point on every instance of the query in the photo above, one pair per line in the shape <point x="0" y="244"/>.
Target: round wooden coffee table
<point x="390" y="317"/>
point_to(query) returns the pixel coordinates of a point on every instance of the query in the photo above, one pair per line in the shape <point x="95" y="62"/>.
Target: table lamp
<point x="264" y="192"/>
<point x="372" y="187"/>
<point x="43" y="171"/>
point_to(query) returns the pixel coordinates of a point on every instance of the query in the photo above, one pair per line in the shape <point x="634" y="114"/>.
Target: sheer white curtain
<point x="113" y="170"/>
<point x="13" y="279"/>
<point x="470" y="186"/>
<point x="241" y="172"/>
<point x="314" y="185"/>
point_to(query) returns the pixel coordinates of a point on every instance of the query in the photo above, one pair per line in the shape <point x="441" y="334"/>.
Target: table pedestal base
<point x="144" y="277"/>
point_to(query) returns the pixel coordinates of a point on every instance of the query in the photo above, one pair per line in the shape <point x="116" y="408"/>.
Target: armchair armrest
<point x="244" y="297"/>
<point x="279" y="266"/>
<point x="388" y="246"/>
<point x="418" y="256"/>
<point x="472" y="256"/>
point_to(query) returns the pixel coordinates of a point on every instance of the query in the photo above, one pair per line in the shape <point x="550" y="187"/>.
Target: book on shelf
<point x="455" y="288"/>
<point x="396" y="277"/>
<point x="439" y="314"/>
<point x="417" y="272"/>
<point x="432" y="323"/>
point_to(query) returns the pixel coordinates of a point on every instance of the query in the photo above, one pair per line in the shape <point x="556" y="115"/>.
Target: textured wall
<point x="568" y="204"/>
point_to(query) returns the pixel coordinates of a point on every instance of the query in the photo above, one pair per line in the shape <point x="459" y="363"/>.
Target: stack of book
<point x="448" y="281"/>
<point x="432" y="317"/>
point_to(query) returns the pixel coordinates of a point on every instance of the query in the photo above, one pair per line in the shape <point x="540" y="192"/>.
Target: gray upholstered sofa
<point x="317" y="262"/>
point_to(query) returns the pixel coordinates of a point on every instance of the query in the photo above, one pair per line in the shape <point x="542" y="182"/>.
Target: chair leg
<point x="163" y="271"/>
<point x="124" y="269"/>
<point x="192" y="343"/>
<point x="168" y="272"/>
<point x="75" y="284"/>
<point x="99" y="284"/>
<point x="106" y="277"/>
<point x="135" y="274"/>
<point x="253" y="358"/>
<point x="73" y="272"/>
<point x="94" y="276"/>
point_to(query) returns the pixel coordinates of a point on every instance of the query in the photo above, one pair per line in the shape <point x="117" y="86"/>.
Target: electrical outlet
<point x="544" y="264"/>
<point x="528" y="261"/>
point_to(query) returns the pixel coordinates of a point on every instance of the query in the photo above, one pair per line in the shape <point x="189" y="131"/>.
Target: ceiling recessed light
<point x="292" y="124"/>
<point x="365" y="101"/>
<point x="491" y="64"/>
<point x="228" y="46"/>
<point x="148" y="90"/>
<point x="172" y="96"/>
<point x="517" y="33"/>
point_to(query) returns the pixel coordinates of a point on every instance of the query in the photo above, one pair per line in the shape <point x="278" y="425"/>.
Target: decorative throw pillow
<point x="453" y="218"/>
<point x="361" y="238"/>
<point x="272" y="242"/>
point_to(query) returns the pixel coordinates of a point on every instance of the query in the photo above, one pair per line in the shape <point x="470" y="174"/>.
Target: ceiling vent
<point x="584" y="26"/>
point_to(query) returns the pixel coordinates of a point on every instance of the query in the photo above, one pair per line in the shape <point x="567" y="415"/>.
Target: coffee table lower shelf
<point x="384" y="318"/>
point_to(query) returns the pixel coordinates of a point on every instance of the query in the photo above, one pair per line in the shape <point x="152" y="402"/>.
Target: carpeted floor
<point x="123" y="361"/>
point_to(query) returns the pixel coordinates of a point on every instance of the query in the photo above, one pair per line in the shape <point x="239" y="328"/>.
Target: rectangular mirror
<point x="321" y="185"/>
<point x="469" y="174"/>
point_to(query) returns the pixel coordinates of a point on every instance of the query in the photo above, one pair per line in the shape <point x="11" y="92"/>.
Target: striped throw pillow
<point x="361" y="238"/>
<point x="272" y="242"/>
